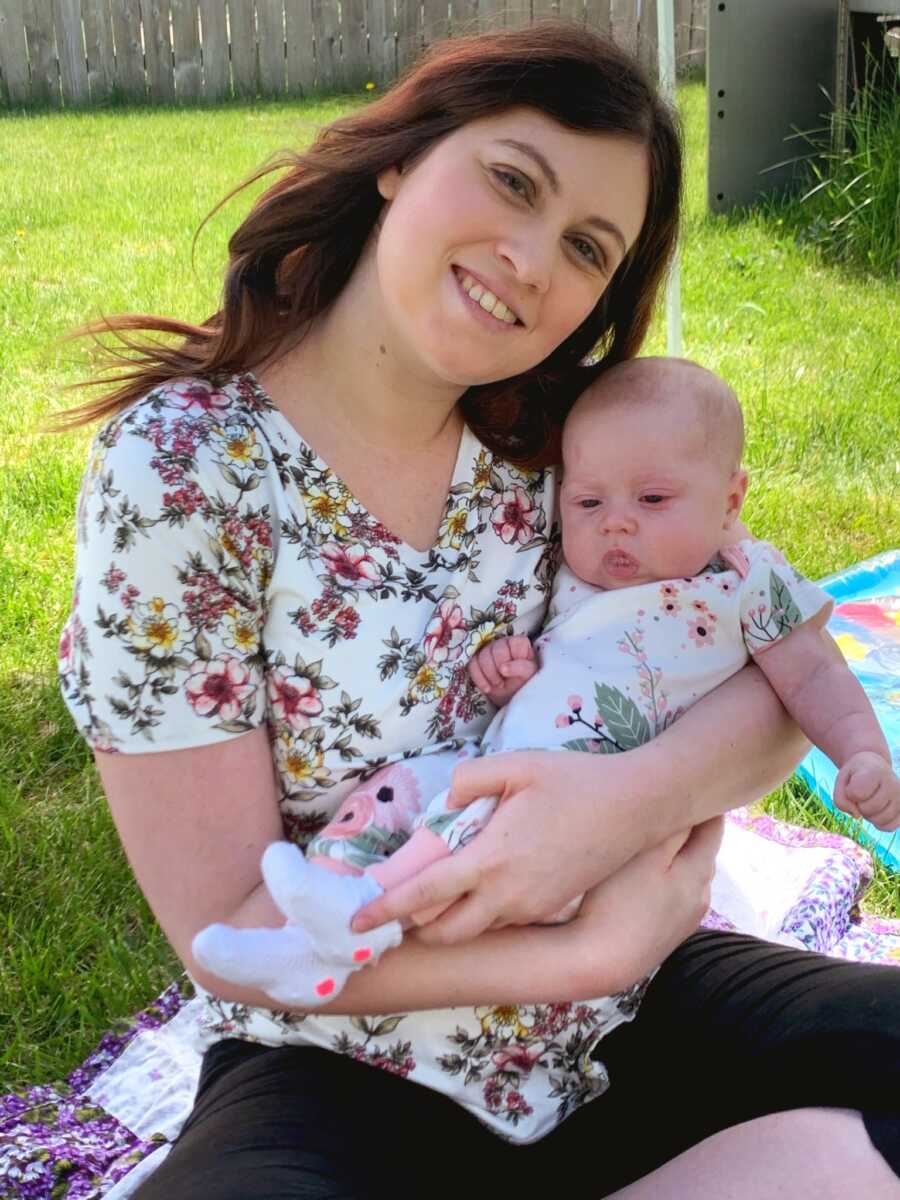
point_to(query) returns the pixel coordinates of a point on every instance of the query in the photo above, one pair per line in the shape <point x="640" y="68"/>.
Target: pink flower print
<point x="354" y="815"/>
<point x="72" y="634"/>
<point x="516" y="1058"/>
<point x="113" y="578"/>
<point x="219" y="688"/>
<point x="701" y="631"/>
<point x="129" y="596"/>
<point x="390" y="800"/>
<point x="699" y="606"/>
<point x="516" y="1103"/>
<point x="575" y="703"/>
<point x="726" y="585"/>
<point x="197" y="395"/>
<point x="346" y="622"/>
<point x="514" y="515"/>
<point x="445" y="634"/>
<point x="670" y="606"/>
<point x="351" y="564"/>
<point x="292" y="698"/>
<point x="563" y="721"/>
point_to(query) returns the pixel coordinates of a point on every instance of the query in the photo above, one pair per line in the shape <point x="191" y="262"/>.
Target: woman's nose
<point x="530" y="260"/>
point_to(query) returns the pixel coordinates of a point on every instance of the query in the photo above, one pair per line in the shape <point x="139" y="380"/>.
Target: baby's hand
<point x="867" y="787"/>
<point x="501" y="667"/>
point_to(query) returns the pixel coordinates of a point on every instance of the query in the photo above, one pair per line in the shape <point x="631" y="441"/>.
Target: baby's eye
<point x="653" y="498"/>
<point x="589" y="503"/>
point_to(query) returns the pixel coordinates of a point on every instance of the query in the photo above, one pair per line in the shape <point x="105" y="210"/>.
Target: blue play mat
<point x="866" y="625"/>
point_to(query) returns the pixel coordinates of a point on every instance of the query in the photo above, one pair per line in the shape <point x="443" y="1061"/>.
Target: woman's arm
<point x="568" y="821"/>
<point x="194" y="824"/>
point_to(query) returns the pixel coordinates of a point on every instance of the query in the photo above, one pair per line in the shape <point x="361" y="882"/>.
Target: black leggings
<point x="731" y="1028"/>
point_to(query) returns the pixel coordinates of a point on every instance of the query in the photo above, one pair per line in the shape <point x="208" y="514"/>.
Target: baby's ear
<point x="737" y="490"/>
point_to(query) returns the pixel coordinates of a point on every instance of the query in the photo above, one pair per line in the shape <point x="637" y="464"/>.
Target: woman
<point x="304" y="519"/>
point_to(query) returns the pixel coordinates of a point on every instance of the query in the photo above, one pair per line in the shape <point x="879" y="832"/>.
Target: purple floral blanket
<point x="111" y="1122"/>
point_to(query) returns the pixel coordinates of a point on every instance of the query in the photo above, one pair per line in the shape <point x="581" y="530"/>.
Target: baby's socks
<point x="309" y="960"/>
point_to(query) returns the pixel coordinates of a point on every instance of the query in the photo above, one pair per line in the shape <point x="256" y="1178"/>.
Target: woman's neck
<point x="347" y="373"/>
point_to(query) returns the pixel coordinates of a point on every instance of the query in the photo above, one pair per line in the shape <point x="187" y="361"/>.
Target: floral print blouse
<point x="226" y="578"/>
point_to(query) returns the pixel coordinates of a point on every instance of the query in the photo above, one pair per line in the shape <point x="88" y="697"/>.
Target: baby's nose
<point x="619" y="519"/>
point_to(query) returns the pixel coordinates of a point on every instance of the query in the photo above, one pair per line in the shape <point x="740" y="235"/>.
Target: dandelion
<point x="370" y="86"/>
<point x="20" y="233"/>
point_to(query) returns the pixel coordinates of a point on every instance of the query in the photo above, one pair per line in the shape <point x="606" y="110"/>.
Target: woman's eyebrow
<point x="552" y="178"/>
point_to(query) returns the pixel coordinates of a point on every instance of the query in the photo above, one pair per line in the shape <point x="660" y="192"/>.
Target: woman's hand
<point x="564" y="823"/>
<point x="639" y="915"/>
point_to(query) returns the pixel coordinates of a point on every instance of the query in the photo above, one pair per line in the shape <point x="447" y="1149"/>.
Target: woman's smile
<point x="486" y="307"/>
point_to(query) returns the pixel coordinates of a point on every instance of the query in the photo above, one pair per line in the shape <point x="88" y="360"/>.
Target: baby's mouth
<point x="620" y="564"/>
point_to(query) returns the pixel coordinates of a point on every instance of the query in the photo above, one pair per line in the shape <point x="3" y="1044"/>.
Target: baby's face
<point x="642" y="497"/>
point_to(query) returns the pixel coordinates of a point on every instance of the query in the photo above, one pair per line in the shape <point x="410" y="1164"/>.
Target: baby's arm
<point x="501" y="667"/>
<point x="828" y="703"/>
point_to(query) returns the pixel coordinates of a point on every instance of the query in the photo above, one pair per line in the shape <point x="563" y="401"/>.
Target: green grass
<point x="97" y="212"/>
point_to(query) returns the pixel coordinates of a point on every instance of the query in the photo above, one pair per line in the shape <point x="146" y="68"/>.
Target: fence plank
<point x="699" y="18"/>
<point x="492" y="14"/>
<point x="463" y="17"/>
<point x="596" y="16"/>
<point x="327" y="34"/>
<point x="13" y="60"/>
<point x="382" y="43"/>
<point x="70" y="51"/>
<point x="270" y="34"/>
<point x="41" y="38"/>
<point x="623" y="24"/>
<point x="543" y="10"/>
<point x="158" y="50"/>
<point x="186" y="49"/>
<point x="126" y="23"/>
<point x="572" y="10"/>
<point x="682" y="13"/>
<point x="214" y="50"/>
<point x="354" y="51"/>
<point x="648" y="38"/>
<point x="301" y="61"/>
<point x="409" y="34"/>
<point x="435" y="21"/>
<point x="243" y="46"/>
<point x="98" y="48"/>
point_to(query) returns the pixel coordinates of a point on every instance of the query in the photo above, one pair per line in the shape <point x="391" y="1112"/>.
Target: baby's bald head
<point x="701" y="408"/>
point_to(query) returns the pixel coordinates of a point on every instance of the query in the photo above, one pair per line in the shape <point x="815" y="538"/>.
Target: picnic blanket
<point x="111" y="1122"/>
<point x="866" y="625"/>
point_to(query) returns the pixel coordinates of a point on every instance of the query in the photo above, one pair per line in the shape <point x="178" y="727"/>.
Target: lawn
<point x="97" y="214"/>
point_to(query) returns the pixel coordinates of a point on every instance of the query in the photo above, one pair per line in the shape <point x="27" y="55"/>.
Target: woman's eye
<point x="588" y="250"/>
<point x="514" y="182"/>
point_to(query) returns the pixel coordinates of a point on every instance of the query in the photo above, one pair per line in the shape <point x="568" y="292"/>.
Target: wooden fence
<point x="76" y="52"/>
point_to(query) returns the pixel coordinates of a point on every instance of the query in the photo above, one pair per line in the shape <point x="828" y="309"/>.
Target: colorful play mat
<point x="866" y="625"/>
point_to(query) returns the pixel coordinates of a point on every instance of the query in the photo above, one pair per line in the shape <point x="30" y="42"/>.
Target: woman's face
<point x="499" y="241"/>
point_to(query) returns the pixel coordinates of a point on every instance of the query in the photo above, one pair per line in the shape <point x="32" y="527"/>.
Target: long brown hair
<point x="297" y="248"/>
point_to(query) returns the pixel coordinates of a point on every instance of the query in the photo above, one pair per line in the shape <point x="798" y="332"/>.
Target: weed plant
<point x="851" y="209"/>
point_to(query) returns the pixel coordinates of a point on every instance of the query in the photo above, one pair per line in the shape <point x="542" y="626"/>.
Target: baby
<point x="654" y="606"/>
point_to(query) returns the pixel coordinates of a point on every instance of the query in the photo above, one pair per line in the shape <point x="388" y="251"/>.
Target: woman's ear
<point x="387" y="183"/>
